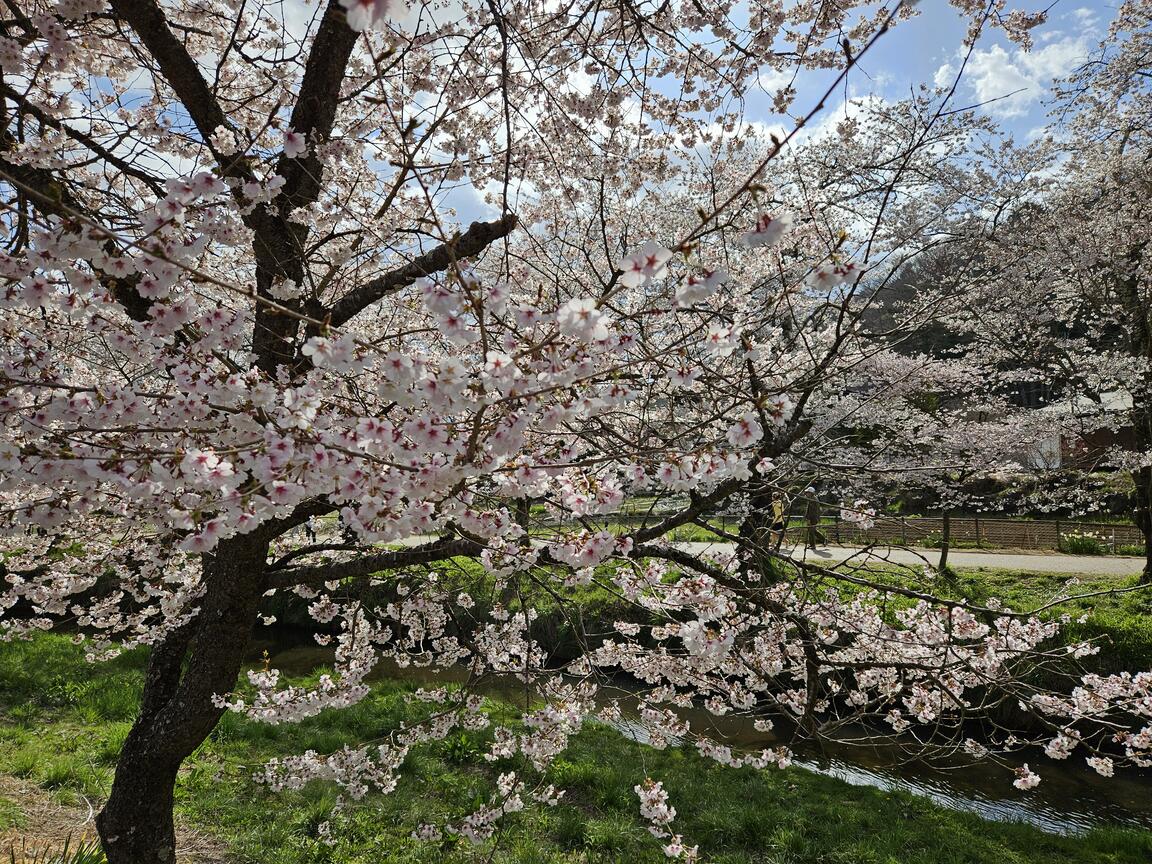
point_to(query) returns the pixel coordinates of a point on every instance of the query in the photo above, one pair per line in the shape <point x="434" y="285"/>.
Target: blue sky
<point x="1014" y="84"/>
<point x="927" y="50"/>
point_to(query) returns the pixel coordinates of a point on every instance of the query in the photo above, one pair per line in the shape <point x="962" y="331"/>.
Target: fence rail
<point x="1010" y="533"/>
<point x="980" y="531"/>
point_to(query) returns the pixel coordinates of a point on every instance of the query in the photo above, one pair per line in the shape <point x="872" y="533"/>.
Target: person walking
<point x="779" y="509"/>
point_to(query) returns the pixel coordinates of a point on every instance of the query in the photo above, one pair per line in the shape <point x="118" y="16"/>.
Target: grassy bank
<point x="63" y="721"/>
<point x="1119" y="617"/>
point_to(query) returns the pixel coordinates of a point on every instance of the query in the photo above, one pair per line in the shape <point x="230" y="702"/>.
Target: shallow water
<point x="1071" y="799"/>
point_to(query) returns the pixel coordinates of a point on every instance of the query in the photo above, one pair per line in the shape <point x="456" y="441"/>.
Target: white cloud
<point x="944" y="76"/>
<point x="1085" y="17"/>
<point x="772" y="80"/>
<point x="1017" y="80"/>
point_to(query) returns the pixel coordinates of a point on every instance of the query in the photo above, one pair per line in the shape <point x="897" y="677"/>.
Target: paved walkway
<point x="1040" y="562"/>
<point x="1034" y="562"/>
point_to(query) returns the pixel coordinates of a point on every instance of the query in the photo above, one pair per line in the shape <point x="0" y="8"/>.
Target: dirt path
<point x="33" y="820"/>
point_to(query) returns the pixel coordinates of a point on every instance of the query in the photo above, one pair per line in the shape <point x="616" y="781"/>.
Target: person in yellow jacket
<point x="779" y="519"/>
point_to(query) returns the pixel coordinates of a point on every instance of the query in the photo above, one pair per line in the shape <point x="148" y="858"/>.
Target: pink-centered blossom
<point x="698" y="287"/>
<point x="644" y="264"/>
<point x="365" y="14"/>
<point x="1026" y="778"/>
<point x="746" y="431"/>
<point x="766" y="231"/>
<point x="580" y="319"/>
<point x="295" y="144"/>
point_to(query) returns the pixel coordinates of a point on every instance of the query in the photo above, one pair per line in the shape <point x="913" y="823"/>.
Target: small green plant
<point x="24" y="715"/>
<point x="64" y="692"/>
<point x="84" y="852"/>
<point x="460" y="749"/>
<point x="1134" y="549"/>
<point x="11" y="814"/>
<point x="1083" y="543"/>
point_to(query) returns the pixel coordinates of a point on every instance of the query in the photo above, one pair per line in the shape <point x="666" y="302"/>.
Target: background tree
<point x="1068" y="305"/>
<point x="237" y="303"/>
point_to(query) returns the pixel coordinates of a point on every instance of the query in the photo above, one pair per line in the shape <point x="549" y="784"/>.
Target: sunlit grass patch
<point x="737" y="816"/>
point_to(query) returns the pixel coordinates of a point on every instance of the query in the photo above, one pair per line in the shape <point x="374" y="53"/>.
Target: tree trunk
<point x="756" y="539"/>
<point x="945" y="540"/>
<point x="1139" y="312"/>
<point x="1142" y="478"/>
<point x="185" y="670"/>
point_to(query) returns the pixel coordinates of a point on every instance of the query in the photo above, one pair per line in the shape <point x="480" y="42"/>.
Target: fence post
<point x="979" y="543"/>
<point x="903" y="531"/>
<point x="1113" y="540"/>
<point x="1059" y="544"/>
<point x="836" y="527"/>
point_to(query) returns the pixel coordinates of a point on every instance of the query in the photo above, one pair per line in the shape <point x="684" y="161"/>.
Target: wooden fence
<point x="965" y="531"/>
<point x="992" y="533"/>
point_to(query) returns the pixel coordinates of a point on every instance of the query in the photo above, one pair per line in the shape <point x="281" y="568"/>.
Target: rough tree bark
<point x="756" y="538"/>
<point x="1141" y="417"/>
<point x="1143" y="513"/>
<point x="1139" y="313"/>
<point x="185" y="670"/>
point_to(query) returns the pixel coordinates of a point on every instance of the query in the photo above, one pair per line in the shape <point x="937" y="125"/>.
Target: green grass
<point x="1118" y="615"/>
<point x="11" y="814"/>
<point x="1120" y="618"/>
<point x="63" y="733"/>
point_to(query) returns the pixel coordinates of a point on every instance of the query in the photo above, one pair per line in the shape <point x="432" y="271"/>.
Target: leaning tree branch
<point x="280" y="243"/>
<point x="27" y="107"/>
<point x="366" y="565"/>
<point x="180" y="71"/>
<point x="51" y="196"/>
<point x="473" y="241"/>
<point x="698" y="505"/>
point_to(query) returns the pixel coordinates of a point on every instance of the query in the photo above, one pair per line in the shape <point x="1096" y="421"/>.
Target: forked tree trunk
<point x="176" y="715"/>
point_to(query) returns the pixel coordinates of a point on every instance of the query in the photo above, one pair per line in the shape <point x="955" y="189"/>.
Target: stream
<point x="1071" y="799"/>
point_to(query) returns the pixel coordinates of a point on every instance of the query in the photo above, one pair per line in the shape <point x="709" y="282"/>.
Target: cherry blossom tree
<point x="1069" y="301"/>
<point x="248" y="349"/>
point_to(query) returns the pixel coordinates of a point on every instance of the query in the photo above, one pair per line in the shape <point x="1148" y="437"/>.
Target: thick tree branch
<point x="699" y="506"/>
<point x="366" y="565"/>
<point x="473" y="241"/>
<point x="52" y="197"/>
<point x="177" y="66"/>
<point x="315" y="110"/>
<point x="280" y="243"/>
<point x="87" y="141"/>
